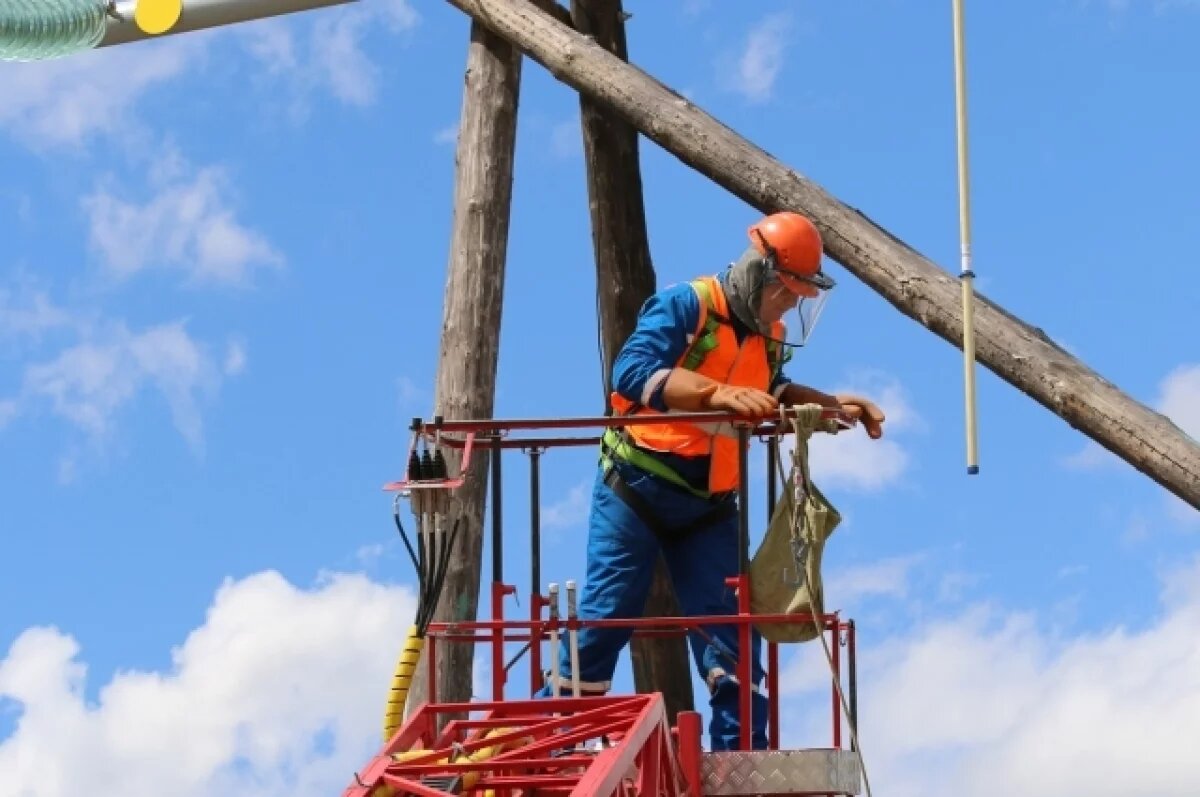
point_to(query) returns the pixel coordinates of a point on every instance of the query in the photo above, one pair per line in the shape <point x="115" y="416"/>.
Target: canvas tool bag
<point x="785" y="574"/>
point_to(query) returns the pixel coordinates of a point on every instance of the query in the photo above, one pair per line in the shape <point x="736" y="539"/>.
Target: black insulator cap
<point x="414" y="467"/>
<point x="426" y="465"/>
<point x="439" y="465"/>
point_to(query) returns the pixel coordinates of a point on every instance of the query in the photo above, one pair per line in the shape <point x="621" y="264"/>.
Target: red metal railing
<point x="418" y="733"/>
<point x="498" y="631"/>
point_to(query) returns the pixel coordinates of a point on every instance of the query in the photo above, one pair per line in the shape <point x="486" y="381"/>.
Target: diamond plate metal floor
<point x="771" y="772"/>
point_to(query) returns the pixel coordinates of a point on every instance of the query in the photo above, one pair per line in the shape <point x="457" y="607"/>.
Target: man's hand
<point x="690" y="392"/>
<point x="864" y="411"/>
<point x="742" y="400"/>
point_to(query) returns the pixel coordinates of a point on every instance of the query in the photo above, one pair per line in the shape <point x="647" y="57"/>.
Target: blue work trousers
<point x="622" y="555"/>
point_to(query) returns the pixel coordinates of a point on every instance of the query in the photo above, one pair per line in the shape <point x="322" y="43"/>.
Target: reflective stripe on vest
<point x="713" y="352"/>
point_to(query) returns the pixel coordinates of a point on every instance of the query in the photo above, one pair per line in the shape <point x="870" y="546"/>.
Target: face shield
<point x="784" y="291"/>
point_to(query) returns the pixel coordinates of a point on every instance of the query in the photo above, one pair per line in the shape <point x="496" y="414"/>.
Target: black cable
<point x="411" y="553"/>
<point x="439" y="575"/>
<point x="605" y="378"/>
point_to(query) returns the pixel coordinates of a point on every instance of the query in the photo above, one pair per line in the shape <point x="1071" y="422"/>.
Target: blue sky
<point x="220" y="301"/>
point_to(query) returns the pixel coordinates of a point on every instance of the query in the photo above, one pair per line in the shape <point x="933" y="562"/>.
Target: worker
<point x="714" y="344"/>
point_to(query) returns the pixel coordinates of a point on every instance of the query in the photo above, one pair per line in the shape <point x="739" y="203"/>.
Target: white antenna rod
<point x="966" y="275"/>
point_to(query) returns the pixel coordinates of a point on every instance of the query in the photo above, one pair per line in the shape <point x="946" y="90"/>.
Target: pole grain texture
<point x="624" y="280"/>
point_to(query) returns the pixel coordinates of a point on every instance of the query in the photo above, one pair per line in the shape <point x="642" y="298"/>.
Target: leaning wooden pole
<point x="466" y="378"/>
<point x="1017" y="352"/>
<point x="624" y="280"/>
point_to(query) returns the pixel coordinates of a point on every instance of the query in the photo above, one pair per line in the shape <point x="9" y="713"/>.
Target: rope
<point x="804" y="421"/>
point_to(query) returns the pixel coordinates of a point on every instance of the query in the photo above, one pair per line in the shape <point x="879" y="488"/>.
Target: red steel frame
<point x="583" y="747"/>
<point x="636" y="726"/>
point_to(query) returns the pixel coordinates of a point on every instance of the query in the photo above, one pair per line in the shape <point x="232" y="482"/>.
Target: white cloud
<point x="90" y="382"/>
<point x="854" y="461"/>
<point x="1158" y="6"/>
<point x="761" y="59"/>
<point x="447" y="135"/>
<point x="343" y="65"/>
<point x="886" y="578"/>
<point x="271" y="42"/>
<point x="850" y="459"/>
<point x="279" y="692"/>
<point x="1091" y="457"/>
<point x="187" y="225"/>
<point x="235" y="358"/>
<point x="28" y="312"/>
<point x="993" y="703"/>
<point x="847" y="589"/>
<point x="8" y="411"/>
<point x="954" y="583"/>
<point x="1070" y="571"/>
<point x="65" y="102"/>
<point x="368" y="555"/>
<point x="569" y="511"/>
<point x="334" y="59"/>
<point x="1180" y="398"/>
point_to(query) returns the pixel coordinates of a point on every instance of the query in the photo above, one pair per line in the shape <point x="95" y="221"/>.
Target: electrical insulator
<point x="32" y="30"/>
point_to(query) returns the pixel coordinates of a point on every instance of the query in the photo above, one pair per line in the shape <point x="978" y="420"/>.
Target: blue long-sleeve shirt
<point x="665" y="325"/>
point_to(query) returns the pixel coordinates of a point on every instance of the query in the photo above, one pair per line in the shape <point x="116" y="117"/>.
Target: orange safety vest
<point x="713" y="352"/>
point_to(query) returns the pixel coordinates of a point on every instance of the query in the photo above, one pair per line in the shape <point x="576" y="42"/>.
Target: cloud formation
<point x="988" y="702"/>
<point x="852" y="461"/>
<point x="1179" y="398"/>
<point x="760" y="60"/>
<point x="569" y="511"/>
<point x="106" y="366"/>
<point x="67" y="102"/>
<point x="333" y="58"/>
<point x="279" y="692"/>
<point x="187" y="224"/>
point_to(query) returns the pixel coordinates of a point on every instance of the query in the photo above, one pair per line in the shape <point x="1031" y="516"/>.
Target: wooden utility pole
<point x="624" y="280"/>
<point x="466" y="378"/>
<point x="1015" y="351"/>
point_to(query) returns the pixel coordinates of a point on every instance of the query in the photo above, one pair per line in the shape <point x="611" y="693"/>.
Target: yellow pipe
<point x="482" y="754"/>
<point x="964" y="226"/>
<point x="393" y="715"/>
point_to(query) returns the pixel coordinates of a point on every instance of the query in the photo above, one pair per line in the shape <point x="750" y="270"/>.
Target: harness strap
<point x="617" y="446"/>
<point x="645" y="512"/>
<point x="710" y="324"/>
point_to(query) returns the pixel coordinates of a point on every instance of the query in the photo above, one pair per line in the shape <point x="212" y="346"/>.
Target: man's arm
<point x="857" y="407"/>
<point x="644" y="371"/>
<point x="792" y="393"/>
<point x="641" y="368"/>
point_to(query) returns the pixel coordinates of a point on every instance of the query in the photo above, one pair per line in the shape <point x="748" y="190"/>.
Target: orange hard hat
<point x="793" y="243"/>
